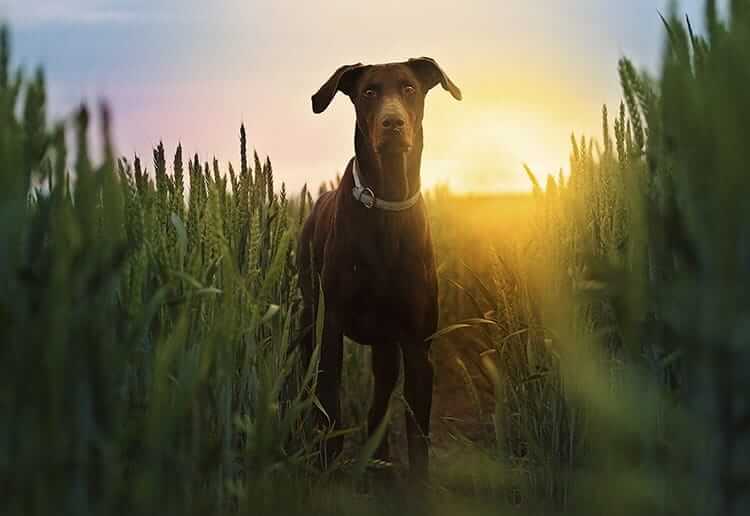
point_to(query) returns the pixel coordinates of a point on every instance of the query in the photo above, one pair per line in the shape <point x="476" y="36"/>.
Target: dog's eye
<point x="370" y="93"/>
<point x="409" y="89"/>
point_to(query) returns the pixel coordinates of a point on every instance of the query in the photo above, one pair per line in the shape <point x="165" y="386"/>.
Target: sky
<point x="531" y="71"/>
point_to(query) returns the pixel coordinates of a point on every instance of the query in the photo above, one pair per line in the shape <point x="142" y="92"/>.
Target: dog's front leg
<point x="329" y="382"/>
<point x="385" y="366"/>
<point x="418" y="379"/>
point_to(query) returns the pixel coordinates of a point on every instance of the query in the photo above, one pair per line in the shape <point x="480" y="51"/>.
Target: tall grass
<point x="148" y="320"/>
<point x="612" y="336"/>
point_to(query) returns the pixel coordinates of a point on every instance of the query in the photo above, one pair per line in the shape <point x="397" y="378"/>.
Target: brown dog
<point x="369" y="244"/>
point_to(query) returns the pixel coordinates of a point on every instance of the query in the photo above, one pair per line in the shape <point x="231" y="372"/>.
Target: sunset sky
<point x="531" y="72"/>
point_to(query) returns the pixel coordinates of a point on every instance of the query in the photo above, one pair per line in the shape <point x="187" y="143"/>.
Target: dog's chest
<point x="387" y="285"/>
<point x="377" y="302"/>
<point x="388" y="261"/>
<point x="376" y="284"/>
<point x="384" y="302"/>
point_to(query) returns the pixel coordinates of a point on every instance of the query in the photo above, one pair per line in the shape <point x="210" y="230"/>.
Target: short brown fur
<point x="377" y="268"/>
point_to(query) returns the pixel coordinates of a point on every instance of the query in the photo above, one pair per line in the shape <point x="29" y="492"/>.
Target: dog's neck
<point x="393" y="177"/>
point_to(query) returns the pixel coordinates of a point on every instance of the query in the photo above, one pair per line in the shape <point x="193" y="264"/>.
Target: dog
<point x="367" y="245"/>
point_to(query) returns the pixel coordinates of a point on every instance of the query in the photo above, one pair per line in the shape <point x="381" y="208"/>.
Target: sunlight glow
<point x="191" y="72"/>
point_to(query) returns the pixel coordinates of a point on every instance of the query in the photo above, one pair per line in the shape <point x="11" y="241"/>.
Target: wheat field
<point x="593" y="346"/>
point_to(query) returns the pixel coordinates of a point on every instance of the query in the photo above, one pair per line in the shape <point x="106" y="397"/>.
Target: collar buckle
<point x="367" y="197"/>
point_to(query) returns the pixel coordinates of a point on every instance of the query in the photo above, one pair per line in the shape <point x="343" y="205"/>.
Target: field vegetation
<point x="594" y="335"/>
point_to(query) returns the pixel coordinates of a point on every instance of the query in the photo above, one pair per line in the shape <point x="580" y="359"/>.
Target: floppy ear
<point x="431" y="74"/>
<point x="341" y="80"/>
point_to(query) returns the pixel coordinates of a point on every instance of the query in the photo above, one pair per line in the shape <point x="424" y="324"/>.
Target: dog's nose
<point x="393" y="122"/>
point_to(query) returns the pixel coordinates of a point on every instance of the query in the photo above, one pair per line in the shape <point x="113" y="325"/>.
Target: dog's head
<point x="388" y="98"/>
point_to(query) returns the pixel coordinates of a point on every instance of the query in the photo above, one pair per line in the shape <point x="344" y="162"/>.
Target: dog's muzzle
<point x="393" y="140"/>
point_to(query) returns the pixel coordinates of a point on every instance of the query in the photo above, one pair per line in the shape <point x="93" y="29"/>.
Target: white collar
<point x="366" y="196"/>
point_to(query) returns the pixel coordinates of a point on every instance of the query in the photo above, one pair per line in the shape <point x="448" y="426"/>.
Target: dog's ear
<point x="431" y="74"/>
<point x="342" y="80"/>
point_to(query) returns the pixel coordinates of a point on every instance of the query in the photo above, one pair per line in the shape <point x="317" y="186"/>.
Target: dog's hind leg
<point x="307" y="335"/>
<point x="385" y="368"/>
<point x="329" y="382"/>
<point x="309" y="289"/>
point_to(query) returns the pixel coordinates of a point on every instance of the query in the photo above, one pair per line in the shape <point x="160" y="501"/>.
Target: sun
<point x="483" y="151"/>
